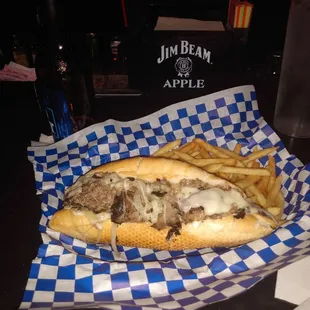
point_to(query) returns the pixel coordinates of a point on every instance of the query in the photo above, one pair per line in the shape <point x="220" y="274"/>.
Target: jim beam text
<point x="183" y="65"/>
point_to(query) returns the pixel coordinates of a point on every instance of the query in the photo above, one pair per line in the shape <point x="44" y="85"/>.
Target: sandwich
<point x="159" y="203"/>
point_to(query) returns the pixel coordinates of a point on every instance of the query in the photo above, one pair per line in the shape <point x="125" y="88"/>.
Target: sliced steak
<point x="240" y="214"/>
<point x="194" y="214"/>
<point x="172" y="217"/>
<point x="94" y="196"/>
<point x="103" y="192"/>
<point x="117" y="210"/>
<point x="217" y="216"/>
<point x="174" y="231"/>
<point x="132" y="215"/>
<point x="192" y="183"/>
<point x="172" y="214"/>
<point x="123" y="210"/>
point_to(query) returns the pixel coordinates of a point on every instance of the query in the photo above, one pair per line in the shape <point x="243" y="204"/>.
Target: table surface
<point x="21" y="206"/>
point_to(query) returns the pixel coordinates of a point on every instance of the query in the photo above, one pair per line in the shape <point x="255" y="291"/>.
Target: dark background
<point x="254" y="64"/>
<point x="267" y="29"/>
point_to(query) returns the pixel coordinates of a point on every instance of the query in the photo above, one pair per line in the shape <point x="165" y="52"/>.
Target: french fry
<point x="239" y="177"/>
<point x="194" y="149"/>
<point x="167" y="154"/>
<point x="194" y="154"/>
<point x="270" y="184"/>
<point x="252" y="179"/>
<point x="237" y="148"/>
<point x="272" y="166"/>
<point x="273" y="193"/>
<point x="262" y="184"/>
<point x="184" y="156"/>
<point x="248" y="193"/>
<point x="198" y="156"/>
<point x="259" y="196"/>
<point x="185" y="148"/>
<point x="253" y="198"/>
<point x="210" y="148"/>
<point x="215" y="152"/>
<point x="181" y="147"/>
<point x="204" y="153"/>
<point x="240" y="163"/>
<point x="210" y="161"/>
<point x="246" y="171"/>
<point x="230" y="176"/>
<point x="280" y="202"/>
<point x="250" y="164"/>
<point x="274" y="210"/>
<point x="230" y="153"/>
<point x="247" y="182"/>
<point x="234" y="178"/>
<point x="223" y="175"/>
<point x="168" y="147"/>
<point x="260" y="153"/>
<point x="213" y="168"/>
<point x="175" y="156"/>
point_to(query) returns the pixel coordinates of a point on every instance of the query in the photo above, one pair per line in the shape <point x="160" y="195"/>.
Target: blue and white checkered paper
<point x="69" y="273"/>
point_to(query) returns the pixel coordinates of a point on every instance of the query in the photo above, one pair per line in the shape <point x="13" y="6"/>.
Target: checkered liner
<point x="70" y="273"/>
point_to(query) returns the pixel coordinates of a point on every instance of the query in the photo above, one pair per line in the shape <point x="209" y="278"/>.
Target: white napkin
<point x="43" y="140"/>
<point x="304" y="306"/>
<point x="175" y="23"/>
<point x="293" y="283"/>
<point x="17" y="72"/>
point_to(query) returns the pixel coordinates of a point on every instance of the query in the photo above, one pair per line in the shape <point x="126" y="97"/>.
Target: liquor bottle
<point x="79" y="82"/>
<point x="6" y="51"/>
<point x="51" y="70"/>
<point x="22" y="50"/>
<point x="61" y="85"/>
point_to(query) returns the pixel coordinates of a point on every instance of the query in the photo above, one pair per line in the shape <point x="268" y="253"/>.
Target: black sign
<point x="181" y="60"/>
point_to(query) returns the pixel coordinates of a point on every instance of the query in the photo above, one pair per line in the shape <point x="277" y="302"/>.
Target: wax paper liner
<point x="69" y="273"/>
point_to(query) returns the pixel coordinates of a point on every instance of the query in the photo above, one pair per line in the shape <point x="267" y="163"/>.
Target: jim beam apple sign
<point x="184" y="64"/>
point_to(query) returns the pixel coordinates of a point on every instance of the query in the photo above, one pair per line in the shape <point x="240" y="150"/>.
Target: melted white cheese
<point x="187" y="191"/>
<point x="214" y="201"/>
<point x="103" y="216"/>
<point x="94" y="218"/>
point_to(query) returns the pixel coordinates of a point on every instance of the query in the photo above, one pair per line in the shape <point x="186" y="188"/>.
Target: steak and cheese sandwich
<point x="159" y="203"/>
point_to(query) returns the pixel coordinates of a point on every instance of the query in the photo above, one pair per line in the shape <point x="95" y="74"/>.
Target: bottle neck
<point x="52" y="41"/>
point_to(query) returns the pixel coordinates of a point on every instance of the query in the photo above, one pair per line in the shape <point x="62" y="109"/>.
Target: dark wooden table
<point x="20" y="208"/>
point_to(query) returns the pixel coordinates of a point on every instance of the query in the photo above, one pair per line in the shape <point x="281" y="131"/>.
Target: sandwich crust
<point x="225" y="232"/>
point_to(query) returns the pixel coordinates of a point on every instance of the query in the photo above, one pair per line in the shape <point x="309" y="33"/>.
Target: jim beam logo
<point x="184" y="65"/>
